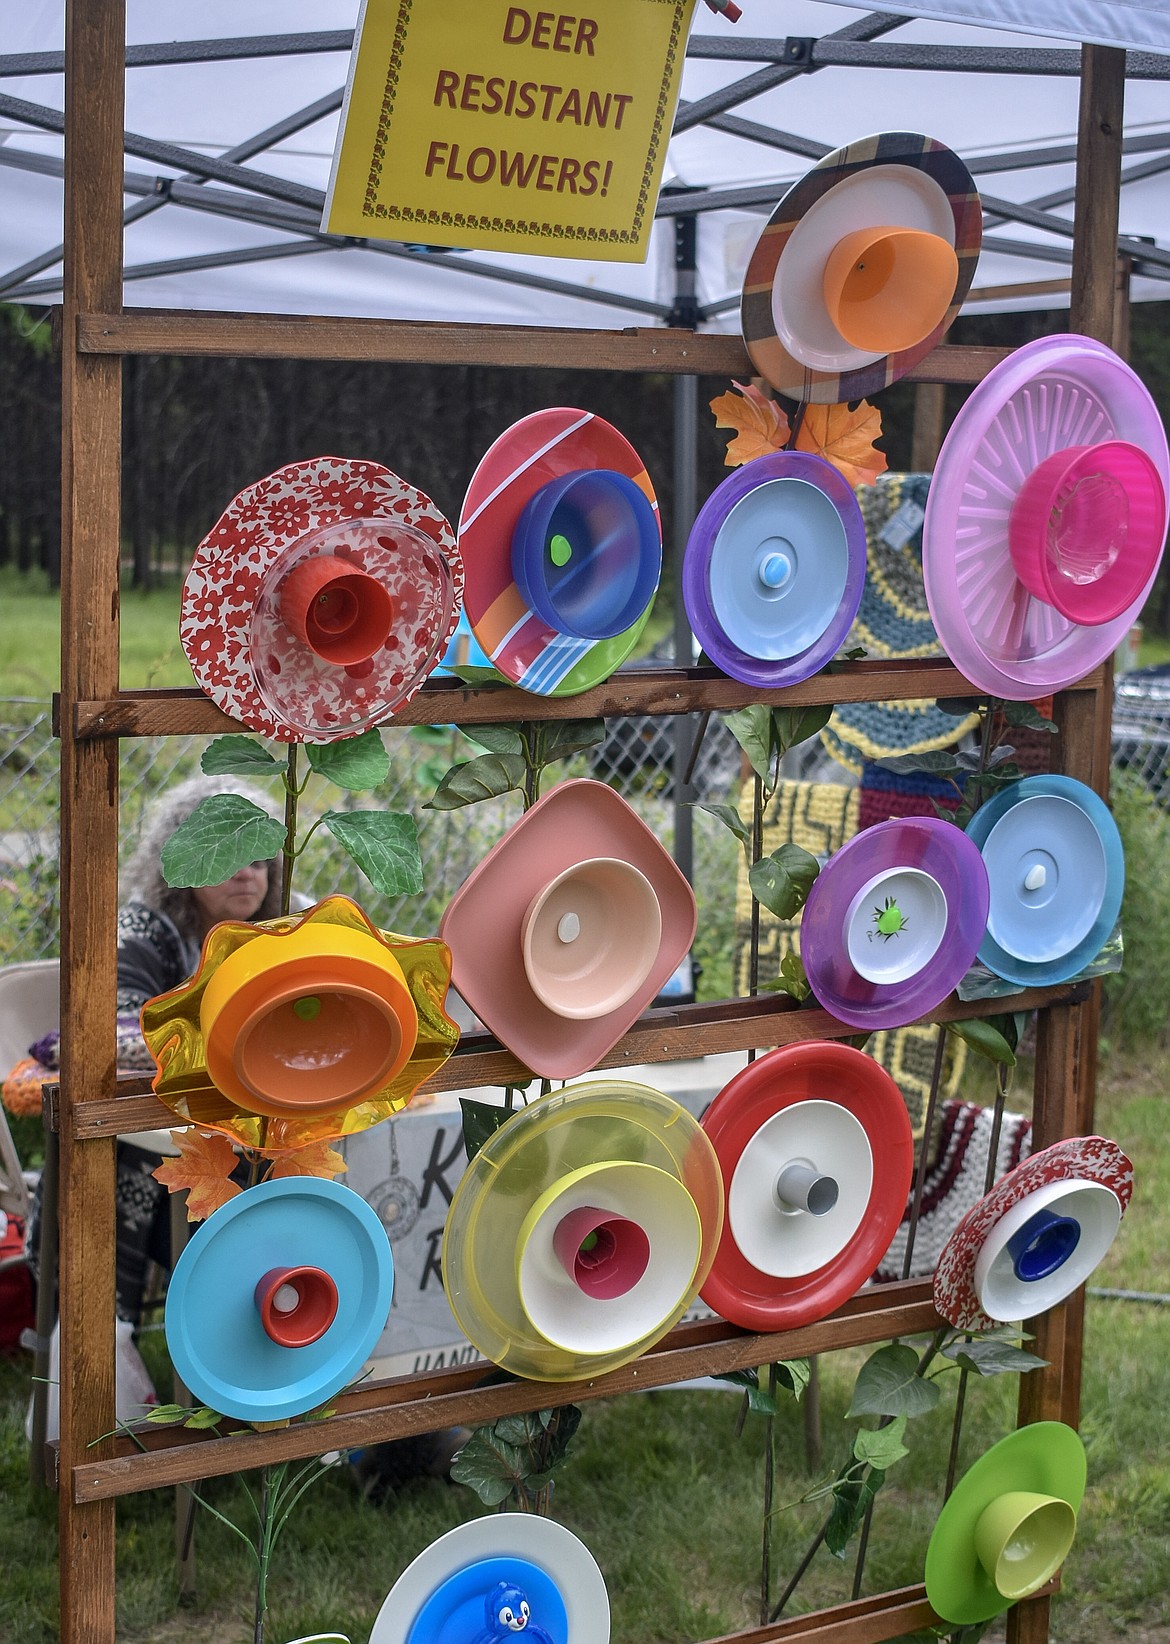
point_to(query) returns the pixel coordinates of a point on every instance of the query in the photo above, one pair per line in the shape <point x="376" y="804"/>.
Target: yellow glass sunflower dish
<point x="301" y="1029"/>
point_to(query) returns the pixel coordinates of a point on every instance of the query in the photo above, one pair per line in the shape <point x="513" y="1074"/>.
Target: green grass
<point x="668" y="1499"/>
<point x="30" y="644"/>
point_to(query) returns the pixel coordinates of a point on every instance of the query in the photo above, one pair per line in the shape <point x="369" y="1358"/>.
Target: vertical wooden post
<point x="1066" y="1044"/>
<point x="1098" y="197"/>
<point x="90" y="483"/>
<point x="930" y="403"/>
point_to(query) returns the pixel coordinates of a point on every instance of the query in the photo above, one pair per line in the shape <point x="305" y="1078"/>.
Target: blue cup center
<point x="587" y="554"/>
<point x="775" y="564"/>
<point x="1042" y="1245"/>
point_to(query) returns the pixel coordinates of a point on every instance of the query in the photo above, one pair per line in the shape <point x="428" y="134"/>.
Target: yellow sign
<point x="500" y="126"/>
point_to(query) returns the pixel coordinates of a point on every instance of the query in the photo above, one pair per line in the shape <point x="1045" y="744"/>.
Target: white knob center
<point x="286" y="1299"/>
<point x="568" y="927"/>
<point x="1036" y="877"/>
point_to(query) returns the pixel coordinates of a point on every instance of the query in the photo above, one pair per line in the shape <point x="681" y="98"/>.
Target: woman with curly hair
<point x="160" y="933"/>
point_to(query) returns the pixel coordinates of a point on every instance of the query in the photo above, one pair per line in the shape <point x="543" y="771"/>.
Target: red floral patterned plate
<point x="1084" y="1159"/>
<point x="242" y="650"/>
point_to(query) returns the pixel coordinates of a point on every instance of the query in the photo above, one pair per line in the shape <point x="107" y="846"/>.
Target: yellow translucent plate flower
<point x="301" y="1029"/>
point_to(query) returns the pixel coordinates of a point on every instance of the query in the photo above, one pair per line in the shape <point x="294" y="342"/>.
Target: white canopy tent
<point x="232" y="115"/>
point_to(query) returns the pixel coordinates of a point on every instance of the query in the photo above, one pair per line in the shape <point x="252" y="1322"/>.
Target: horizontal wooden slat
<point x="865" y="1621"/>
<point x="375" y="1414"/>
<point x="634" y="691"/>
<point x="674" y="1035"/>
<point x="420" y="342"/>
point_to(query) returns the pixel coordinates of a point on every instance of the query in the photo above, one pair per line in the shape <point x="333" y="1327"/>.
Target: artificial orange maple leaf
<point x="845" y="438"/>
<point x="204" y="1166"/>
<point x="318" y="1159"/>
<point x="762" y="425"/>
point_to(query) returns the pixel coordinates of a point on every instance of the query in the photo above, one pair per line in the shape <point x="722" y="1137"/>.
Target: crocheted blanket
<point x="955" y="1181"/>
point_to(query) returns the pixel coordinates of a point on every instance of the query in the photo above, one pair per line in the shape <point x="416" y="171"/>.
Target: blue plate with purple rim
<point x="907" y="901"/>
<point x="774" y="569"/>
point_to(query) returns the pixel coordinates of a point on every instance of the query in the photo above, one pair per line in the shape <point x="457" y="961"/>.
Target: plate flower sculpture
<point x="320" y="601"/>
<point x="301" y="1029"/>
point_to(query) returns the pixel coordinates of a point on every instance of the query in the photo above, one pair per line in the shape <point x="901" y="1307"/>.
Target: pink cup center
<point x="296" y="1304"/>
<point x="604" y="1254"/>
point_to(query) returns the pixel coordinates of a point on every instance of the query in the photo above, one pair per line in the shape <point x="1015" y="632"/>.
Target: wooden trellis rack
<point x="95" y="1105"/>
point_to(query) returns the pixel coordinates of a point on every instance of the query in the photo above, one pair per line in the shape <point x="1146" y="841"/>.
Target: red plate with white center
<point x="818" y="1135"/>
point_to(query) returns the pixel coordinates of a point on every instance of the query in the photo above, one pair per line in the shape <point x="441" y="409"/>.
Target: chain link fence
<point x="638" y="757"/>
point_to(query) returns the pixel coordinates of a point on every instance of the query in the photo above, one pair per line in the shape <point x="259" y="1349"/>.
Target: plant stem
<point x="926" y="1359"/>
<point x="529" y="735"/>
<point x="769" y="1485"/>
<point x="264" y="1551"/>
<point x="291" y="797"/>
<point x="810" y="1554"/>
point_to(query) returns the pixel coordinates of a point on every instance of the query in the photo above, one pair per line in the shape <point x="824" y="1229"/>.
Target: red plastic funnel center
<point x="296" y="1304"/>
<point x="605" y="1255"/>
<point x="342" y="614"/>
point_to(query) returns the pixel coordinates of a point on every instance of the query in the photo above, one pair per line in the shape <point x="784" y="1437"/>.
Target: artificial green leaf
<point x="936" y="762"/>
<point x="490" y="1466"/>
<point x="384" y="844"/>
<point x="500" y="739"/>
<point x="1026" y="714"/>
<point x="200" y="1420"/>
<point x="222" y="835"/>
<point x="985" y="1040"/>
<point x="520" y="1430"/>
<point x="568" y="1421"/>
<point x="565" y="737"/>
<point x="238" y="756"/>
<point x="794" y="1374"/>
<point x="852" y="1495"/>
<point x="480" y="1120"/>
<point x="993" y="1358"/>
<point x="791" y="979"/>
<point x="881" y="1446"/>
<point x="167" y="1412"/>
<point x="760" y="1401"/>
<point x="888" y="1384"/>
<point x="357" y="763"/>
<point x="469" y="674"/>
<point x="730" y="818"/>
<point x="782" y="881"/>
<point x="1003" y="775"/>
<point x="485" y="777"/>
<point x="796" y="725"/>
<point x="791" y="1374"/>
<point x="752" y="728"/>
